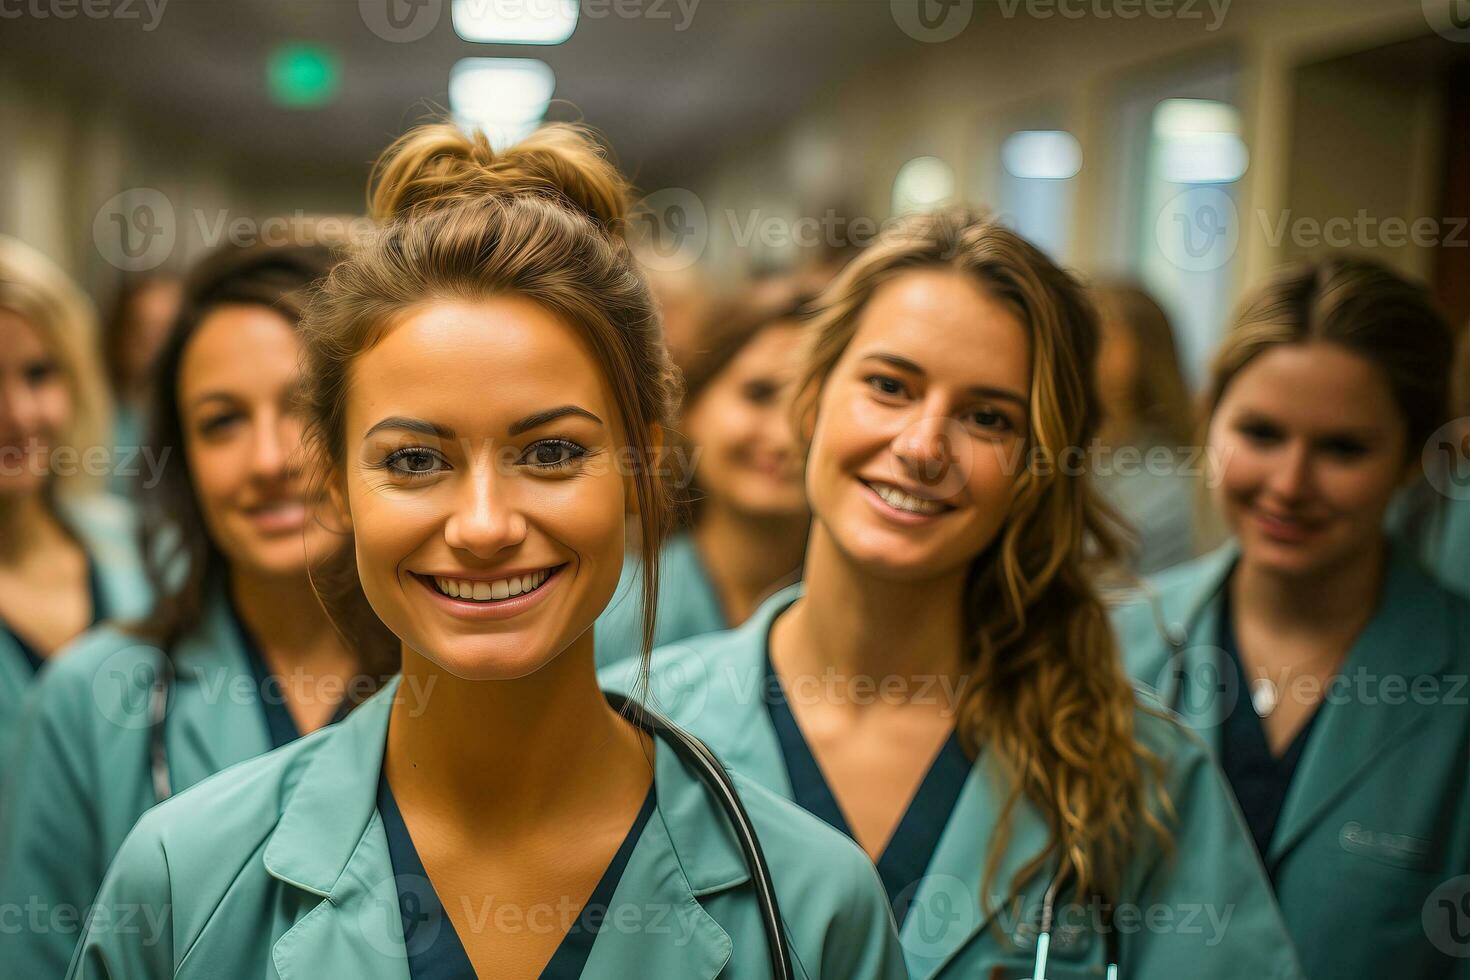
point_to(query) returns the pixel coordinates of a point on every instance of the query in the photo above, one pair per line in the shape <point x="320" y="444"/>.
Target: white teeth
<point x="481" y="591"/>
<point x="900" y="500"/>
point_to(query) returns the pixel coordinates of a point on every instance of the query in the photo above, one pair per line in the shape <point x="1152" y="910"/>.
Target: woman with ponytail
<point x="487" y="388"/>
<point x="944" y="686"/>
<point x="238" y="657"/>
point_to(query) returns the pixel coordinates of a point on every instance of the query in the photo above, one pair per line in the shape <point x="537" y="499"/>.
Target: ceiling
<point x="672" y="87"/>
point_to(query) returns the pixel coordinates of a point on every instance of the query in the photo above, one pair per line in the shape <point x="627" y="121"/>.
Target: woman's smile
<point x="482" y="596"/>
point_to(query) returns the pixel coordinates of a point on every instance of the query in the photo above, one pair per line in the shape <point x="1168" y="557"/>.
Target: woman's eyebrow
<point x="979" y="391"/>
<point x="421" y="426"/>
<point x="551" y="415"/>
<point x="893" y="360"/>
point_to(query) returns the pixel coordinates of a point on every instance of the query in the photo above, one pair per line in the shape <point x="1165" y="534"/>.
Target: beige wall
<point x="66" y="153"/>
<point x="943" y="99"/>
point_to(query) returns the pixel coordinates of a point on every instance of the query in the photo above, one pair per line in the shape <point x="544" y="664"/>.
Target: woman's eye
<point x="1260" y="432"/>
<point x="39" y="372"/>
<point x="216" y="424"/>
<point x="413" y="462"/>
<point x="885" y="385"/>
<point x="989" y="419"/>
<point x="553" y="454"/>
<point x="759" y="392"/>
<point x="1344" y="448"/>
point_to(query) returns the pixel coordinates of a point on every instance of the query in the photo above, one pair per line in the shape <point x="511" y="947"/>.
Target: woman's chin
<point x="471" y="661"/>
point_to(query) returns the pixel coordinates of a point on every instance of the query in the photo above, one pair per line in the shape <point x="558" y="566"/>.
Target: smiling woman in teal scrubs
<point x="68" y="557"/>
<point x="511" y="819"/>
<point x="1326" y="670"/>
<point x="746" y="515"/>
<point x="254" y="658"/>
<point x="944" y="686"/>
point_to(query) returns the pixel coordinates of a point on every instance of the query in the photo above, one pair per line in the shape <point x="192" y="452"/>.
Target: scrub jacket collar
<point x="329" y="842"/>
<point x="946" y="912"/>
<point x="1408" y="637"/>
<point x="214" y="715"/>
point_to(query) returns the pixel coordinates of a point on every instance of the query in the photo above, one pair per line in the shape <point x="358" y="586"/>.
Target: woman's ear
<point x="333" y="512"/>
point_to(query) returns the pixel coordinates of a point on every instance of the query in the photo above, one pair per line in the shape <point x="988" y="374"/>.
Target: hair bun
<point x="439" y="165"/>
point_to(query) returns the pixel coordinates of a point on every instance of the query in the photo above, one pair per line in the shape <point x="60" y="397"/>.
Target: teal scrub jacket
<point x="279" y="867"/>
<point x="81" y="777"/>
<point x="1204" y="912"/>
<point x="1371" y="855"/>
<point x="687" y="604"/>
<point x="107" y="529"/>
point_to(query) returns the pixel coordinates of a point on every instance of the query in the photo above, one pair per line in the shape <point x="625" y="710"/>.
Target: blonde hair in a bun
<point x="541" y="220"/>
<point x="441" y="165"/>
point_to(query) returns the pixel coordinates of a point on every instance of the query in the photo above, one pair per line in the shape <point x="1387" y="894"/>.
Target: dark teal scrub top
<point x="99" y="613"/>
<point x="908" y="852"/>
<point x="433" y="947"/>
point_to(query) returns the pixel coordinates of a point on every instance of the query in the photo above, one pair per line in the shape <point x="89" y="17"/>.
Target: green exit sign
<point x="303" y="76"/>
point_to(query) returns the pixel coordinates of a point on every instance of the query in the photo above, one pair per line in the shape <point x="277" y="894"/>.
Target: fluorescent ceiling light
<point x="922" y="184"/>
<point x="1044" y="154"/>
<point x="1199" y="142"/>
<point x="505" y="97"/>
<point x="515" y="21"/>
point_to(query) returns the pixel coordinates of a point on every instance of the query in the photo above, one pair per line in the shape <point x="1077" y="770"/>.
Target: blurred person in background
<point x="1433" y="516"/>
<point x="745" y="517"/>
<point x="68" y="551"/>
<point x="134" y="333"/>
<point x="1147" y="420"/>
<point x="684" y="304"/>
<point x="238" y="657"/>
<point x="943" y="685"/>
<point x="1325" y="669"/>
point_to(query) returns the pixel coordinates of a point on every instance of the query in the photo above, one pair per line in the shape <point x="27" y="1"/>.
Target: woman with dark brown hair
<point x="1325" y="669"/>
<point x="238" y="656"/>
<point x="944" y="685"/>
<point x="743" y="514"/>
<point x="133" y="336"/>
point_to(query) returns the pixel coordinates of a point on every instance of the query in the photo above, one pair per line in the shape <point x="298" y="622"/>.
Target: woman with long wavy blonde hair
<point x="944" y="686"/>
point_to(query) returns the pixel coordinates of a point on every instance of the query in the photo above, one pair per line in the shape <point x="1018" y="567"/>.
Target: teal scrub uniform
<point x="1370" y="853"/>
<point x="687" y="604"/>
<point x="82" y="773"/>
<point x="1204" y="911"/>
<point x="107" y="530"/>
<point x="281" y="867"/>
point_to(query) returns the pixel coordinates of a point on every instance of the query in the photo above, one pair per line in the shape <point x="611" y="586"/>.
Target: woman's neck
<point x="851" y="628"/>
<point x="746" y="555"/>
<point x="284" y="615"/>
<point x="1340" y="599"/>
<point x="27" y="524"/>
<point x="512" y="756"/>
<point x="1120" y="427"/>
